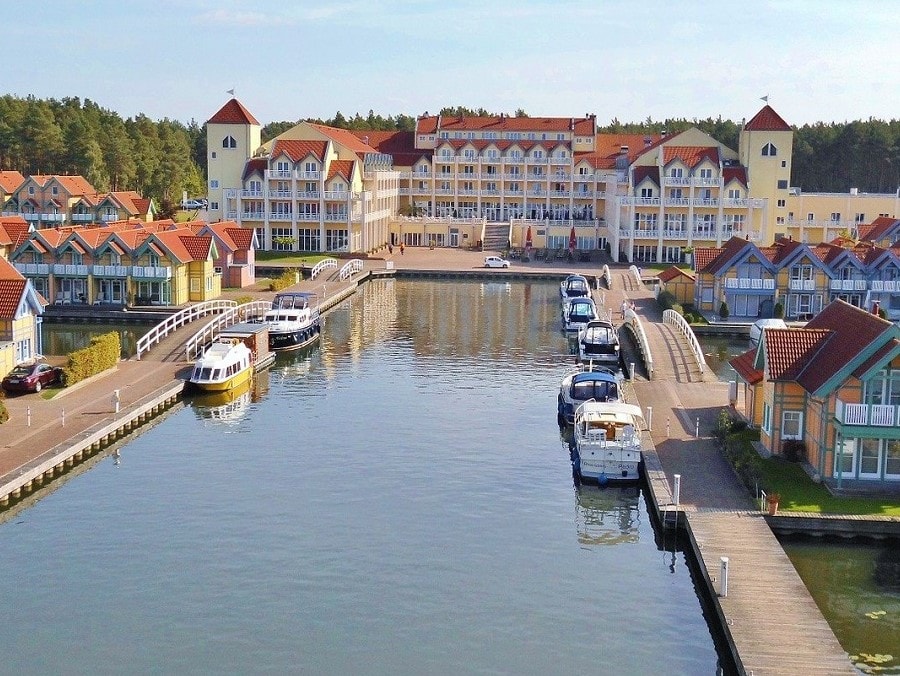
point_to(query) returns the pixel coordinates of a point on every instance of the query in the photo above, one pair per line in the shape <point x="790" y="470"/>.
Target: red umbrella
<point x="573" y="240"/>
<point x="528" y="238"/>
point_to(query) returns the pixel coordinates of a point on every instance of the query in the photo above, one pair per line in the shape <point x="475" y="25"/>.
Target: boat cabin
<point x="599" y="386"/>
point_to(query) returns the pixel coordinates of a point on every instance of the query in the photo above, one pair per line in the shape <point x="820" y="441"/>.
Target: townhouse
<point x="136" y="263"/>
<point x="833" y="387"/>
<point x="53" y="201"/>
<point x="795" y="279"/>
<point x="20" y="316"/>
<point x="312" y="188"/>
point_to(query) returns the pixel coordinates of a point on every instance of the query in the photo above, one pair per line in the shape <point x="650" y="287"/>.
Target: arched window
<point x="229" y="142"/>
<point x="769" y="150"/>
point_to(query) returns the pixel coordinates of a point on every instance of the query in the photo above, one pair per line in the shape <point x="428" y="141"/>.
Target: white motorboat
<point x="293" y="320"/>
<point x="578" y="312"/>
<point x="598" y="343"/>
<point x="225" y="365"/>
<point x="584" y="385"/>
<point x="607" y="442"/>
<point x="574" y="286"/>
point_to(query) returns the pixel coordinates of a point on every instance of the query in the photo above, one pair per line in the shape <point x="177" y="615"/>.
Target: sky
<point x="816" y="60"/>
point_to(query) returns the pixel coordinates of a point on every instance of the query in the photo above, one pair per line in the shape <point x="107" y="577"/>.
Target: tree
<point x="42" y="139"/>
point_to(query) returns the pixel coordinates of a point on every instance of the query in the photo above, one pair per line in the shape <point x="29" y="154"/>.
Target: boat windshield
<point x="598" y="390"/>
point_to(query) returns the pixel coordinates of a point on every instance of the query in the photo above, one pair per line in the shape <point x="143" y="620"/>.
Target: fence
<point x="676" y="320"/>
<point x="189" y="314"/>
<point x="322" y="265"/>
<point x="239" y="313"/>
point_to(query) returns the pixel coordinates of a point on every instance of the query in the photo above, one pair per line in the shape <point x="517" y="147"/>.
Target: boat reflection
<point x="230" y="406"/>
<point x="295" y="363"/>
<point x="607" y="516"/>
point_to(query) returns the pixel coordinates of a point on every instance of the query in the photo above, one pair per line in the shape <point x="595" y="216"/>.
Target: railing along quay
<point x="189" y="314"/>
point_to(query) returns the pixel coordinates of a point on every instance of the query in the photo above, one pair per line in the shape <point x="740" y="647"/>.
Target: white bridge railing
<point x="634" y="270"/>
<point x="239" y="313"/>
<point x="607" y="277"/>
<point x="634" y="323"/>
<point x="676" y="320"/>
<point x="323" y="264"/>
<point x="185" y="316"/>
<point x="350" y="269"/>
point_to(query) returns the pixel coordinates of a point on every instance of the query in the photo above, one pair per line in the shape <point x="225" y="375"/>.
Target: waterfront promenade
<point x="720" y="516"/>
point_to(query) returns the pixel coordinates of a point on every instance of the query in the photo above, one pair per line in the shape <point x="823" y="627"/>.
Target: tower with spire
<point x="232" y="136"/>
<point x="766" y="144"/>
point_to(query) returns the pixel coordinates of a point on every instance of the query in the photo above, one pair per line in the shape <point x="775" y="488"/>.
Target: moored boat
<point x="577" y="312"/>
<point x="607" y="442"/>
<point x="293" y="320"/>
<point x="574" y="286"/>
<point x="225" y="364"/>
<point x="581" y="386"/>
<point x="598" y="343"/>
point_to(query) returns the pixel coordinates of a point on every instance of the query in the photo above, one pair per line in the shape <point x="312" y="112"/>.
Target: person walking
<point x="624" y="307"/>
<point x="401" y="248"/>
<point x="391" y="249"/>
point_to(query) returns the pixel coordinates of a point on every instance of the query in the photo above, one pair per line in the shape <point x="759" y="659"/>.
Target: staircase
<point x="496" y="236"/>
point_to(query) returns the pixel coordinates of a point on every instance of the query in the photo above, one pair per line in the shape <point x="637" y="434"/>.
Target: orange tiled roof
<point x="13" y="230"/>
<point x="233" y="112"/>
<point x="671" y="273"/>
<point x="878" y="228"/>
<point x="704" y="256"/>
<point x="607" y="147"/>
<point x="726" y="254"/>
<point x="345" y="138"/>
<point x="388" y="142"/>
<point x="690" y="156"/>
<point x="10" y="180"/>
<point x="744" y="365"/>
<point x="242" y="237"/>
<point x="12" y="286"/>
<point x="583" y="126"/>
<point x="789" y="351"/>
<point x="767" y="120"/>
<point x="297" y="150"/>
<point x="340" y="167"/>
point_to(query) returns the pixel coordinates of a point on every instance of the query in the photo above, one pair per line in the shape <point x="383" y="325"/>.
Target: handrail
<point x="676" y="320"/>
<point x="634" y="270"/>
<point x="209" y="332"/>
<point x="321" y="265"/>
<point x="633" y="322"/>
<point x="185" y="316"/>
<point x="350" y="269"/>
<point x="607" y="276"/>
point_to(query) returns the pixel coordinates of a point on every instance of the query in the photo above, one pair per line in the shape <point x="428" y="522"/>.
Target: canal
<point x="396" y="500"/>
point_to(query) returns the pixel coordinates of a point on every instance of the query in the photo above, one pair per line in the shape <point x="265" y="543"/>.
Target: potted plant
<point x="772" y="500"/>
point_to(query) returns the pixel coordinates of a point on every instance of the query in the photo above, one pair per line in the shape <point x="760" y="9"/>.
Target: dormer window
<point x="54" y="190"/>
<point x="769" y="150"/>
<point x="229" y="142"/>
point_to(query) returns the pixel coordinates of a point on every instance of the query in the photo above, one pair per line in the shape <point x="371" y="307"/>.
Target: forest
<point x="162" y="158"/>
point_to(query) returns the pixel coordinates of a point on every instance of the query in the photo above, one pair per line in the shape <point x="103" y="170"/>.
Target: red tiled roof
<point x="727" y="252"/>
<point x="690" y="156"/>
<point x="730" y="174"/>
<point x="583" y="126"/>
<point x="10" y="180"/>
<point x="75" y="185"/>
<point x="641" y="173"/>
<point x="233" y="112"/>
<point x="345" y="138"/>
<point x="876" y="358"/>
<point x="789" y="351"/>
<point x="388" y="142"/>
<point x="11" y="291"/>
<point x="767" y="120"/>
<point x="255" y="166"/>
<point x="243" y="237"/>
<point x="342" y="167"/>
<point x="297" y="150"/>
<point x="13" y="230"/>
<point x="878" y="228"/>
<point x="743" y="364"/>
<point x="703" y="256"/>
<point x="852" y="329"/>
<point x="197" y="246"/>
<point x="671" y="273"/>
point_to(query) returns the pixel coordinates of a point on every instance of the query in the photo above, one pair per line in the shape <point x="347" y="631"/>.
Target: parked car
<point x="31" y="377"/>
<point x="495" y="262"/>
<point x="193" y="204"/>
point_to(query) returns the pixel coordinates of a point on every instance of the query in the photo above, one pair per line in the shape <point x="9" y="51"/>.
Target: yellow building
<point x="20" y="318"/>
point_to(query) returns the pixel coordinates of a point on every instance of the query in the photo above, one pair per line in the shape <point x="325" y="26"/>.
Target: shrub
<point x="794" y="450"/>
<point x="778" y="311"/>
<point x="242" y="300"/>
<point x="666" y="300"/>
<point x="723" y="310"/>
<point x="677" y="307"/>
<point x="688" y="317"/>
<point x="102" y="354"/>
<point x="4" y="414"/>
<point x="286" y="279"/>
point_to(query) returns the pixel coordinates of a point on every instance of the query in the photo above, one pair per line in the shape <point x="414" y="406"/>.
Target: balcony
<point x="109" y="218"/>
<point x="677" y="202"/>
<point x="560" y="193"/>
<point x="53" y="218"/>
<point x="82" y="218"/>
<point x="279" y="216"/>
<point x="514" y="193"/>
<point x="751" y="284"/>
<point x="336" y="217"/>
<point x="639" y="201"/>
<point x="109" y="270"/>
<point x="889" y="286"/>
<point x="561" y="161"/>
<point x="470" y="192"/>
<point x="308" y="194"/>
<point x="874" y="415"/>
<point x="802" y="285"/>
<point x="676" y="180"/>
<point x="253" y="194"/>
<point x="490" y="192"/>
<point x="280" y="194"/>
<point x="150" y="272"/>
<point x="278" y="173"/>
<point x="443" y="191"/>
<point x="315" y="218"/>
<point x="33" y="269"/>
<point x="703" y="233"/>
<point x="403" y="191"/>
<point x="848" y="285"/>
<point x="674" y="234"/>
<point x="251" y="215"/>
<point x="309" y="175"/>
<point x="706" y="182"/>
<point x="31" y="217"/>
<point x="341" y="195"/>
<point x="645" y="234"/>
<point x="69" y="270"/>
<point x="735" y="203"/>
<point x="537" y="192"/>
<point x="537" y="160"/>
<point x="585" y="194"/>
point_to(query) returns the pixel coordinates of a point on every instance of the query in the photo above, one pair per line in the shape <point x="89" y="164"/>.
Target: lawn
<point x="289" y="258"/>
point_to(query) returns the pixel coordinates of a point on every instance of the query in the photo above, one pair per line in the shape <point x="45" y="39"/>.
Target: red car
<point x="31" y="377"/>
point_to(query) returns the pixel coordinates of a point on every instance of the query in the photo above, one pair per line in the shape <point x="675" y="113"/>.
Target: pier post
<point x="28" y="417"/>
<point x="697" y="428"/>
<point x="676" y="498"/>
<point x="116" y="400"/>
<point x="667" y="428"/>
<point x="631" y="364"/>
<point x="650" y="418"/>
<point x="62" y="416"/>
<point x="723" y="576"/>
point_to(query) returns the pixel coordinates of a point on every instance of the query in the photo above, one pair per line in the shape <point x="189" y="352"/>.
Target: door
<point x="870" y="458"/>
<point x="454" y="238"/>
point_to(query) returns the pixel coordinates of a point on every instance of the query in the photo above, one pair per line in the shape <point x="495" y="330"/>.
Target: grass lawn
<point x="800" y="494"/>
<point x="289" y="258"/>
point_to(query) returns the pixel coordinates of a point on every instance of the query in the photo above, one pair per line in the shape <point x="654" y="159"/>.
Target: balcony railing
<point x="848" y="285"/>
<point x="875" y="415"/>
<point x="336" y="195"/>
<point x="278" y="173"/>
<point x="336" y="217"/>
<point x="252" y="216"/>
<point x="280" y="217"/>
<point x="753" y="283"/>
<point x="254" y="194"/>
<point x="802" y="285"/>
<point x="53" y="218"/>
<point x="308" y="194"/>
<point x="109" y="270"/>
<point x="109" y="218"/>
<point x="676" y="180"/>
<point x="31" y="217"/>
<point x="82" y="218"/>
<point x="629" y="201"/>
<point x="280" y="194"/>
<point x="151" y="272"/>
<point x="33" y="268"/>
<point x="70" y="270"/>
<point x="889" y="286"/>
<point x="309" y="217"/>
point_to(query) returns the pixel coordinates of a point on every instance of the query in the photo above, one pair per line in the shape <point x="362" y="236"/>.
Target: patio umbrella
<point x="528" y="238"/>
<point x="573" y="240"/>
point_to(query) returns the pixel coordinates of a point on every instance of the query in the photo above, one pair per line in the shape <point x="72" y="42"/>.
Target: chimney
<point x="623" y="150"/>
<point x="366" y="140"/>
<point x="876" y="307"/>
<point x="571" y="124"/>
<point x="648" y="141"/>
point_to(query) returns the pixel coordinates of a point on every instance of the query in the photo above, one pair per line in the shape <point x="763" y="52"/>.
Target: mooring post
<point x="697" y="428"/>
<point x="723" y="591"/>
<point x="116" y="400"/>
<point x="631" y="364"/>
<point x="650" y="418"/>
<point x="28" y="417"/>
<point x="62" y="416"/>
<point x="676" y="498"/>
<point x="667" y="427"/>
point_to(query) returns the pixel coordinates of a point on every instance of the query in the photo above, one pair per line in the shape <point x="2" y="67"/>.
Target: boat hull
<point x="283" y="341"/>
<point x="607" y="470"/>
<point x="234" y="381"/>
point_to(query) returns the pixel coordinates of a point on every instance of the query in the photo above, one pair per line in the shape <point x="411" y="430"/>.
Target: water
<point x="397" y="500"/>
<point x="63" y="338"/>
<point x="857" y="587"/>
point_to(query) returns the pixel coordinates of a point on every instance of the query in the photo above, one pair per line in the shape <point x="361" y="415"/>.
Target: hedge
<point x="666" y="300"/>
<point x="102" y="354"/>
<point x="286" y="279"/>
<point x="4" y="414"/>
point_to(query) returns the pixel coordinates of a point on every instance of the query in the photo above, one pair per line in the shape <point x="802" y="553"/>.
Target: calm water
<point x="396" y="501"/>
<point x="63" y="338"/>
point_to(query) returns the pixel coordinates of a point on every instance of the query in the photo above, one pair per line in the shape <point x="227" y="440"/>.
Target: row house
<point x="752" y="280"/>
<point x="13" y="231"/>
<point x="134" y="263"/>
<point x="53" y="201"/>
<point x="236" y="248"/>
<point x="9" y="181"/>
<point x="312" y="188"/>
<point x="833" y="387"/>
<point x="20" y="318"/>
<point x="822" y="217"/>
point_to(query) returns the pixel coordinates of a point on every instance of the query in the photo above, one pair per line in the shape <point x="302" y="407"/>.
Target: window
<point x="860" y="218"/>
<point x="781" y="203"/>
<point x="782" y="184"/>
<point x="195" y="285"/>
<point x="213" y="183"/>
<point x="676" y="172"/>
<point x="214" y="206"/>
<point x="213" y="154"/>
<point x="706" y="173"/>
<point x="734" y="194"/>
<point x="769" y="150"/>
<point x="767" y="418"/>
<point x="54" y="190"/>
<point x="31" y="190"/>
<point x="784" y="164"/>
<point x="792" y="425"/>
<point x="835" y="216"/>
<point x="810" y="216"/>
<point x="646" y="192"/>
<point x="228" y="142"/>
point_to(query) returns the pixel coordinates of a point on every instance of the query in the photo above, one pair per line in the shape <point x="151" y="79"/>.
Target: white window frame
<point x="767" y="418"/>
<point x="792" y="418"/>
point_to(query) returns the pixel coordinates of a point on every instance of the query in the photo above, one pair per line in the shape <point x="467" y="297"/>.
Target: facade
<point x="678" y="282"/>
<point x="54" y="201"/>
<point x="832" y="386"/>
<point x="799" y="277"/>
<point x="135" y="263"/>
<point x="312" y="188"/>
<point x="822" y="217"/>
<point x="20" y="318"/>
